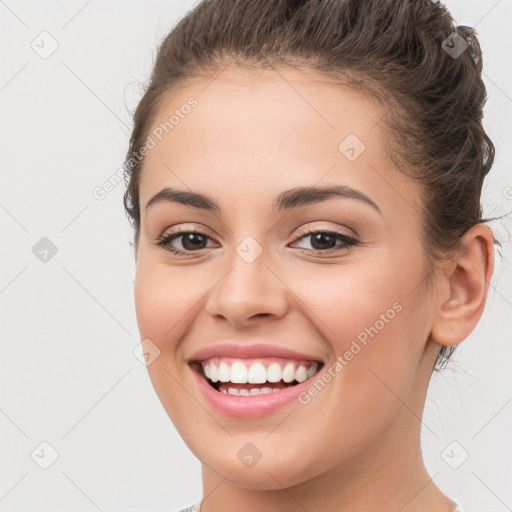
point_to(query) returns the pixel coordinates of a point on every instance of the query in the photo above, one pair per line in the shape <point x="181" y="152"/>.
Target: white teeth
<point x="257" y="374"/>
<point x="214" y="373"/>
<point x="238" y="373"/>
<point x="312" y="370"/>
<point x="301" y="374"/>
<point x="274" y="372"/>
<point x="288" y="373"/>
<point x="241" y="373"/>
<point x="224" y="372"/>
<point x="252" y="391"/>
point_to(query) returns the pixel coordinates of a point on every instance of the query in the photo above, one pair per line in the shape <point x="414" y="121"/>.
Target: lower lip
<point x="252" y="406"/>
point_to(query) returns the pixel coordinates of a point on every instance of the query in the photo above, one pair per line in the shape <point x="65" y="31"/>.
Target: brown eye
<point x="324" y="241"/>
<point x="191" y="241"/>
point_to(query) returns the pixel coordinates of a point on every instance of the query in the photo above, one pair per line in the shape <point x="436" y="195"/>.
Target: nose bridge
<point x="249" y="287"/>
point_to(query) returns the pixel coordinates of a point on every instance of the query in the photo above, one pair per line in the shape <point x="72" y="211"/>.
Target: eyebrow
<point x="287" y="200"/>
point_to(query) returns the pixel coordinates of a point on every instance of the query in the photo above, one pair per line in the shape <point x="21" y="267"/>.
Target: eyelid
<point x="186" y="228"/>
<point x="169" y="235"/>
<point x="348" y="241"/>
<point x="308" y="228"/>
<point x="166" y="238"/>
<point x="303" y="230"/>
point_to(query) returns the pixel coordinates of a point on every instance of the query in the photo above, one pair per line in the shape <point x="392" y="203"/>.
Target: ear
<point x="467" y="279"/>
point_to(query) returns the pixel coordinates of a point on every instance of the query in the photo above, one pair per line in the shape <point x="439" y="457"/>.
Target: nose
<point x="248" y="292"/>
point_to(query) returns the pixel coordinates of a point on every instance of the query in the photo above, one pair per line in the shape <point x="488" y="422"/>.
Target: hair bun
<point x="469" y="35"/>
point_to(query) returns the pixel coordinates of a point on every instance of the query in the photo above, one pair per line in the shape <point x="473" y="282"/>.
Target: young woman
<point x="304" y="182"/>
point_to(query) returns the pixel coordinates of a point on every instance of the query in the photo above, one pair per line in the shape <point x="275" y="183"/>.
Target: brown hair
<point x="425" y="72"/>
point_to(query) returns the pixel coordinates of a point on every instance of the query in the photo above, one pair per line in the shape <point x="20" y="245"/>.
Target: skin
<point x="356" y="445"/>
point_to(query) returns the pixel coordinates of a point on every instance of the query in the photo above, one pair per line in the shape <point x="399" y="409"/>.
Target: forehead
<point x="255" y="131"/>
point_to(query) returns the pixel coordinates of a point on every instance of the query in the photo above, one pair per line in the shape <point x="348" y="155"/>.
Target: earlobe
<point x="467" y="279"/>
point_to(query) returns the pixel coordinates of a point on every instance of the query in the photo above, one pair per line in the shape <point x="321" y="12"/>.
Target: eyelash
<point x="348" y="242"/>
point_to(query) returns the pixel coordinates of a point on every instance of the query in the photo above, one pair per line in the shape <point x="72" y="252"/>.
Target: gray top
<point x="457" y="506"/>
<point x="197" y="506"/>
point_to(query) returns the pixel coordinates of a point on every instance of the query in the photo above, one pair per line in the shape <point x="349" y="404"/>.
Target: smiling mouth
<point x="242" y="377"/>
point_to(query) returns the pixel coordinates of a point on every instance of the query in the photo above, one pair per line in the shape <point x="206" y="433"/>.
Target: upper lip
<point x="247" y="351"/>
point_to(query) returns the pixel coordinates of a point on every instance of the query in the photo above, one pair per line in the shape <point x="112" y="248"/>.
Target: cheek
<point x="370" y="326"/>
<point x="352" y="300"/>
<point x="162" y="304"/>
<point x="374" y="318"/>
<point x="163" y="299"/>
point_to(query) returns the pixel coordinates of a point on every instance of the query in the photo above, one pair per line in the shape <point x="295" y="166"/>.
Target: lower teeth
<point x="247" y="392"/>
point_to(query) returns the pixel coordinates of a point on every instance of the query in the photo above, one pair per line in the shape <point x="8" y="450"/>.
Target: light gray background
<point x="68" y="375"/>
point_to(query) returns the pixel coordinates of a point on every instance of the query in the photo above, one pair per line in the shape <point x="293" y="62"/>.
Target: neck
<point x="387" y="479"/>
<point x="389" y="476"/>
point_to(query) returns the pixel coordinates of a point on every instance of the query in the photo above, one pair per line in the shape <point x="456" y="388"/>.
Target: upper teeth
<point x="240" y="372"/>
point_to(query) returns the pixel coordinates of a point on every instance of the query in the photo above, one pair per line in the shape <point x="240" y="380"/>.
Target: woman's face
<point x="254" y="276"/>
